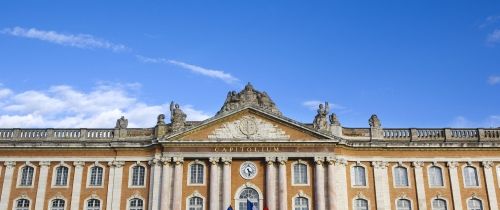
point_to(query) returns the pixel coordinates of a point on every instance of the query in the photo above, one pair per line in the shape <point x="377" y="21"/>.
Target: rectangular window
<point x="300" y="173"/>
<point x="359" y="176"/>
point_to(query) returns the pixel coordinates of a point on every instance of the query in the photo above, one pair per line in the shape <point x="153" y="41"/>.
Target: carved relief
<point x="248" y="127"/>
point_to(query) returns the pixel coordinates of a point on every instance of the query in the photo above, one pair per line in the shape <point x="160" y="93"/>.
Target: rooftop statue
<point x="374" y="122"/>
<point x="334" y="120"/>
<point x="121" y="123"/>
<point x="320" y="121"/>
<point x="177" y="117"/>
<point x="248" y="97"/>
<point x="160" y="120"/>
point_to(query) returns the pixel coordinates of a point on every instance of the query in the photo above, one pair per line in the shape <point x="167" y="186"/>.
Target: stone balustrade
<point x="446" y="134"/>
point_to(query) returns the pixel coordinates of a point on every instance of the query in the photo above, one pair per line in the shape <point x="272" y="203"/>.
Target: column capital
<point x="417" y="164"/>
<point x="270" y="160"/>
<point x="227" y="160"/>
<point x="9" y="164"/>
<point x="78" y="164"/>
<point x="214" y="160"/>
<point x="178" y="160"/>
<point x="282" y="160"/>
<point x="452" y="164"/>
<point x="166" y="160"/>
<point x="487" y="164"/>
<point x="44" y="163"/>
<point x="380" y="164"/>
<point x="319" y="160"/>
<point x="155" y="162"/>
<point x="116" y="164"/>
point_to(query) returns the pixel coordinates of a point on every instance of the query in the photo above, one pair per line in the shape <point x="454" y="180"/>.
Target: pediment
<point x="249" y="124"/>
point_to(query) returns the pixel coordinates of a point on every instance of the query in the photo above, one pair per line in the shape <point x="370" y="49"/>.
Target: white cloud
<point x="218" y="74"/>
<point x="493" y="80"/>
<point x="63" y="107"/>
<point x="4" y="92"/>
<point x="494" y="37"/>
<point x="313" y="105"/>
<point x="462" y="122"/>
<point x="73" y="40"/>
<point x="490" y="20"/>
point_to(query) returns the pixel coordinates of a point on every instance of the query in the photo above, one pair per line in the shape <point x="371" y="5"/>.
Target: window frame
<point x="14" y="203"/>
<point x="478" y="179"/>
<point x="131" y="175"/>
<point x="474" y="198"/>
<point x="353" y="178"/>
<point x="54" y="176"/>
<point x="403" y="198"/>
<point x="85" y="202"/>
<point x="20" y="173"/>
<point x="353" y="202"/>
<point x="136" y="197"/>
<point x="440" y="198"/>
<point x="49" y="207"/>
<point x="408" y="182"/>
<point x="442" y="175"/>
<point x="302" y="195"/>
<point x="89" y="170"/>
<point x="204" y="178"/>
<point x="308" y="173"/>
<point x="198" y="195"/>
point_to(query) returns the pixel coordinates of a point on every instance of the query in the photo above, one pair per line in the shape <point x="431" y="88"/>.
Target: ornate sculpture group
<point x="177" y="117"/>
<point x="248" y="97"/>
<point x="320" y="120"/>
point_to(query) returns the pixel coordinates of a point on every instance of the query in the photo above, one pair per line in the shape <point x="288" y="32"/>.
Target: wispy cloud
<point x="493" y="80"/>
<point x="217" y="74"/>
<point x="490" y="20"/>
<point x="65" y="106"/>
<point x="493" y="37"/>
<point x="313" y="105"/>
<point x="462" y="122"/>
<point x="73" y="40"/>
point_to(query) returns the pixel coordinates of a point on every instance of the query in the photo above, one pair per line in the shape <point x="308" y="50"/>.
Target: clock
<point x="248" y="170"/>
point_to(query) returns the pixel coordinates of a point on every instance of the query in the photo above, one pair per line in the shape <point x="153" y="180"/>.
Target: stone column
<point x="337" y="184"/>
<point x="166" y="183"/>
<point x="155" y="183"/>
<point x="381" y="185"/>
<point x="490" y="185"/>
<point x="77" y="184"/>
<point x="270" y="183"/>
<point x="419" y="180"/>
<point x="7" y="184"/>
<point x="226" y="183"/>
<point x="282" y="184"/>
<point x="111" y="178"/>
<point x="319" y="182"/>
<point x="214" y="183"/>
<point x="117" y="185"/>
<point x="178" y="173"/>
<point x="42" y="184"/>
<point x="455" y="185"/>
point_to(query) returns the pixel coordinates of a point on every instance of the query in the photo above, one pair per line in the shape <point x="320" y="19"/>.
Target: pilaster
<point x="42" y="185"/>
<point x="226" y="184"/>
<point x="381" y="185"/>
<point x="419" y="180"/>
<point x="166" y="183"/>
<point x="319" y="182"/>
<point x="490" y="185"/>
<point x="7" y="184"/>
<point x="282" y="184"/>
<point x="77" y="184"/>
<point x="178" y="174"/>
<point x="214" y="183"/>
<point x="271" y="182"/>
<point x="455" y="185"/>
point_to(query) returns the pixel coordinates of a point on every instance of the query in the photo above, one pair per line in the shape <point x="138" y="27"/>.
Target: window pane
<point x="27" y="176"/>
<point x="360" y="204"/>
<point x="401" y="176"/>
<point x="403" y="204"/>
<point x="96" y="176"/>
<point x="470" y="176"/>
<point x="301" y="203"/>
<point x="300" y="173"/>
<point x="359" y="176"/>
<point x="474" y="204"/>
<point x="196" y="174"/>
<point x="195" y="203"/>
<point x="61" y="176"/>
<point x="439" y="204"/>
<point x="436" y="176"/>
<point x="138" y="175"/>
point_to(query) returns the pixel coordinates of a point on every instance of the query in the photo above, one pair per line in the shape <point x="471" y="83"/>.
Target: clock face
<point x="248" y="170"/>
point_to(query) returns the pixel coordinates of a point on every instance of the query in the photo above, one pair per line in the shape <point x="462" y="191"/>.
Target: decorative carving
<point x="214" y="160"/>
<point x="270" y="160"/>
<point x="248" y="97"/>
<point x="320" y="121"/>
<point x="178" y="160"/>
<point x="452" y="164"/>
<point x="380" y="164"/>
<point x="319" y="160"/>
<point x="418" y="164"/>
<point x="121" y="123"/>
<point x="44" y="163"/>
<point x="177" y="117"/>
<point x="155" y="162"/>
<point x="374" y="122"/>
<point x="248" y="127"/>
<point x="226" y="160"/>
<point x="334" y="120"/>
<point x="160" y="120"/>
<point x="282" y="160"/>
<point x="116" y="163"/>
<point x="166" y="160"/>
<point x="487" y="164"/>
<point x="79" y="164"/>
<point x="9" y="164"/>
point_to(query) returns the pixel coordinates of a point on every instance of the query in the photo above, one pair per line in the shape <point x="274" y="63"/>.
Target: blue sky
<point x="86" y="63"/>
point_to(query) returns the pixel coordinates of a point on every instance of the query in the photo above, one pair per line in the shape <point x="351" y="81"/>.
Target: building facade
<point x="249" y="151"/>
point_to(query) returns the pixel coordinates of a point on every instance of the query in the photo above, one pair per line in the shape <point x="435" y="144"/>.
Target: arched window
<point x="400" y="176"/>
<point x="195" y="203"/>
<point x="27" y="176"/>
<point x="301" y="203"/>
<point x="248" y="194"/>
<point x="57" y="204"/>
<point x="96" y="176"/>
<point x="470" y="176"/>
<point x="403" y="204"/>
<point x="138" y="175"/>
<point x="22" y="204"/>
<point x="439" y="204"/>
<point x="474" y="204"/>
<point x="359" y="176"/>
<point x="61" y="176"/>
<point x="435" y="176"/>
<point x="196" y="173"/>
<point x="360" y="204"/>
<point x="93" y="204"/>
<point x="136" y="204"/>
<point x="300" y="173"/>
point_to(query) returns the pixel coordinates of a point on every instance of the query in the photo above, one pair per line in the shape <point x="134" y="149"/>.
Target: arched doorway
<point x="250" y="194"/>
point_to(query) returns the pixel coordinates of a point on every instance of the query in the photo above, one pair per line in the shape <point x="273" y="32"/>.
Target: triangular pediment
<point x="249" y="124"/>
